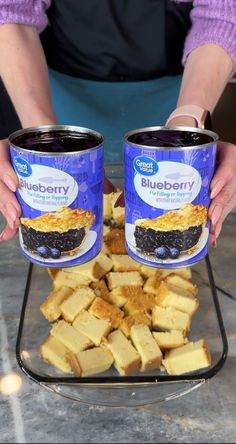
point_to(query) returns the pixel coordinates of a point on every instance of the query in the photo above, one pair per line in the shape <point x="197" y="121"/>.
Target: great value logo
<point x="145" y="165"/>
<point x="22" y="167"/>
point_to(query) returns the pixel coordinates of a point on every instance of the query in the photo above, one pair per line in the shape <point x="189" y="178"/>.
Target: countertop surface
<point x="33" y="414"/>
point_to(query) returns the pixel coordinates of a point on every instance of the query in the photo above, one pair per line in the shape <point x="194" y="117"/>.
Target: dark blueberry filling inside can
<point x="168" y="138"/>
<point x="57" y="141"/>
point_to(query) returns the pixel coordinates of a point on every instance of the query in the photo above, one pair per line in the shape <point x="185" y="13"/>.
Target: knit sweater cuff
<point x="24" y="13"/>
<point x="213" y="31"/>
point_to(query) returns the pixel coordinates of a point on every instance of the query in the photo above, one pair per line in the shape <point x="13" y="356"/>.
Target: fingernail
<point x="9" y="182"/>
<point x="217" y="230"/>
<point x="216" y="213"/>
<point x="2" y="235"/>
<point x="216" y="188"/>
<point x="212" y="240"/>
<point x="17" y="223"/>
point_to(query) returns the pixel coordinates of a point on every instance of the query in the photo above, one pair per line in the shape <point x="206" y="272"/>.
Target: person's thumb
<point x="7" y="173"/>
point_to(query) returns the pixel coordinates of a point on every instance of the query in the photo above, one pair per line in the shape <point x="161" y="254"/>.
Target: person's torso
<point x="116" y="40"/>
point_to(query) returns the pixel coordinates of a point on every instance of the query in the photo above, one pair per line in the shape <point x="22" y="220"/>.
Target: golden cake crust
<point x="62" y="220"/>
<point x="187" y="216"/>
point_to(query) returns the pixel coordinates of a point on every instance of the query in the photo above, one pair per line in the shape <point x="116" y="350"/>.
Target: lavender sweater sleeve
<point x="26" y="12"/>
<point x="213" y="21"/>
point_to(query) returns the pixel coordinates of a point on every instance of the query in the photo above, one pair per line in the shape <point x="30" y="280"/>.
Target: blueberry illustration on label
<point x="174" y="253"/>
<point x="161" y="252"/>
<point x="55" y="253"/>
<point x="44" y="252"/>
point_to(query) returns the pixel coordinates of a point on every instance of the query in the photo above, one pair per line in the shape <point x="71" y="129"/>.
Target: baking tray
<point x="109" y="388"/>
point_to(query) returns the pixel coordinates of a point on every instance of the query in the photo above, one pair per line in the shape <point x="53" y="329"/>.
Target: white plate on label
<point x="88" y="243"/>
<point x="130" y="239"/>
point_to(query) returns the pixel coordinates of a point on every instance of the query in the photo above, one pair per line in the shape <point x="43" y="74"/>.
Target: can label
<point x="61" y="202"/>
<point x="166" y="201"/>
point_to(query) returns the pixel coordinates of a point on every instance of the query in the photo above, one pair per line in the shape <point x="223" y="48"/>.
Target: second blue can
<point x="167" y="194"/>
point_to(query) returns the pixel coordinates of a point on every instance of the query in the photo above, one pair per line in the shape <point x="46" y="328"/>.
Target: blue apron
<point x="113" y="108"/>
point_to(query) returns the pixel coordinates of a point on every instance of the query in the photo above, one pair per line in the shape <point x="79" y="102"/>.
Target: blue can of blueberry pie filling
<point x="60" y="172"/>
<point x="167" y="194"/>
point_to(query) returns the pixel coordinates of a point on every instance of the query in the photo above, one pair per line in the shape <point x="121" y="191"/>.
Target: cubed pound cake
<point x="95" y="329"/>
<point x="139" y="317"/>
<point x="117" y="298"/>
<point x="121" y="295"/>
<point x="123" y="262"/>
<point x="107" y="208"/>
<point x="52" y="272"/>
<point x="51" y="306"/>
<point x="147" y="271"/>
<point x="126" y="358"/>
<point x="106" y="229"/>
<point x="74" y="340"/>
<point x="118" y="212"/>
<point x="152" y="284"/>
<point x="79" y="300"/>
<point x="115" y="241"/>
<point x="178" y="281"/>
<point x="103" y="264"/>
<point x="117" y="279"/>
<point x="167" y="340"/>
<point x="70" y="279"/>
<point x="103" y="310"/>
<point x="94" y="269"/>
<point x="168" y="318"/>
<point x="147" y="347"/>
<point x="191" y="357"/>
<point x="185" y="272"/>
<point x="55" y="353"/>
<point x="90" y="362"/>
<point x="180" y="299"/>
<point x="100" y="289"/>
<point x="139" y="302"/>
<point x="104" y="249"/>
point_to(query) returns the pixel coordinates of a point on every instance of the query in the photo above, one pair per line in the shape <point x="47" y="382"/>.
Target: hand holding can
<point x="9" y="205"/>
<point x="167" y="194"/>
<point x="60" y="173"/>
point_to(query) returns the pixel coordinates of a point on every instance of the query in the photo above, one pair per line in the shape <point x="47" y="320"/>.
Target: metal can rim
<point x="212" y="134"/>
<point x="42" y="128"/>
